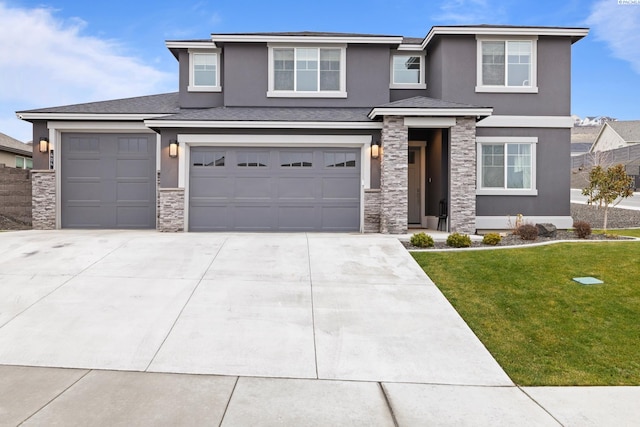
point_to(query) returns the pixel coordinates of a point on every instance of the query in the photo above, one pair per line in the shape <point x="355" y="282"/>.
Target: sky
<point x="59" y="52"/>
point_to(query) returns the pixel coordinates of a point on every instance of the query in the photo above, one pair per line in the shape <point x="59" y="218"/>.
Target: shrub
<point x="422" y="240"/>
<point x="491" y="239"/>
<point x="457" y="240"/>
<point x="528" y="232"/>
<point x="582" y="229"/>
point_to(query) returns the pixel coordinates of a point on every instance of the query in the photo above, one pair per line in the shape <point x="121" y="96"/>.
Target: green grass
<point x="542" y="327"/>
<point x="631" y="232"/>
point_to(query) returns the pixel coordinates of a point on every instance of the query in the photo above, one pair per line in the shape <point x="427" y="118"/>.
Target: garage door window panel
<point x="208" y="159"/>
<point x="339" y="160"/>
<point x="296" y="160"/>
<point x="252" y="159"/>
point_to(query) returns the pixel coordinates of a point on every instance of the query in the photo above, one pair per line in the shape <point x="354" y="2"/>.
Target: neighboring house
<point x="323" y="132"/>
<point x="617" y="134"/>
<point x="14" y="153"/>
<point x="596" y="121"/>
<point x="582" y="138"/>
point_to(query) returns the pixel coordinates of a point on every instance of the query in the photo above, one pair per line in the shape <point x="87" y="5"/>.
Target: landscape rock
<point x="547" y="230"/>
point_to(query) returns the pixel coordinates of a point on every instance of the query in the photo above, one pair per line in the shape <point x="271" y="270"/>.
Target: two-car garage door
<point x="269" y="189"/>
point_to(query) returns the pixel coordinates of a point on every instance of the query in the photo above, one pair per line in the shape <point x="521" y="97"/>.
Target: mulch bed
<point x="513" y="240"/>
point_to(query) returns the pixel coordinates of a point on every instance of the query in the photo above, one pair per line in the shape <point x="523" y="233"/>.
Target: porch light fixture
<point x="43" y="145"/>
<point x="375" y="149"/>
<point x="173" y="148"/>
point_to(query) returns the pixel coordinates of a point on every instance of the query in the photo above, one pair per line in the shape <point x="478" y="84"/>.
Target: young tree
<point x="608" y="187"/>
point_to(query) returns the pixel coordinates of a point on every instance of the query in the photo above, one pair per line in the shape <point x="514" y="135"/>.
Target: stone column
<point x="171" y="217"/>
<point x="462" y="179"/>
<point x="372" y="210"/>
<point x="394" y="182"/>
<point x="43" y="199"/>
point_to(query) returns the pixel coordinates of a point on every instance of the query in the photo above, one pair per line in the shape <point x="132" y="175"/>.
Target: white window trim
<point x="342" y="93"/>
<point x="532" y="88"/>
<point x="421" y="85"/>
<point x="192" y="87"/>
<point x="480" y="191"/>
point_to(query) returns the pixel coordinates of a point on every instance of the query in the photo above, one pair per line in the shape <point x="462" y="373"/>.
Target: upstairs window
<point x="307" y="72"/>
<point x="407" y="71"/>
<point x="204" y="71"/>
<point x="507" y="66"/>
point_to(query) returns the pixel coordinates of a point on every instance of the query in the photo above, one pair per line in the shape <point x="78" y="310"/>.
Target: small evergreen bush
<point x="528" y="232"/>
<point x="457" y="240"/>
<point x="422" y="240"/>
<point x="582" y="229"/>
<point x="491" y="239"/>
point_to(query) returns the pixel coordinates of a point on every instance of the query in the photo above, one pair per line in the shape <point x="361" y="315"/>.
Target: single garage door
<point x="283" y="189"/>
<point x="108" y="181"/>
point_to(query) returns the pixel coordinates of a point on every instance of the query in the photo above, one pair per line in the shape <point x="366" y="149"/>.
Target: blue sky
<point x="57" y="52"/>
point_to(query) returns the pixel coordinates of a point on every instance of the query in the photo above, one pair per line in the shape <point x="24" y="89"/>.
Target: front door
<point x="415" y="188"/>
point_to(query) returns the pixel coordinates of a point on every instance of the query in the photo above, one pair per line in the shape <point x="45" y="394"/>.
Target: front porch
<point x="428" y="159"/>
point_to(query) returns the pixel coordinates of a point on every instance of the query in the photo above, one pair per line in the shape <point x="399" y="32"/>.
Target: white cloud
<point x="619" y="27"/>
<point x="47" y="61"/>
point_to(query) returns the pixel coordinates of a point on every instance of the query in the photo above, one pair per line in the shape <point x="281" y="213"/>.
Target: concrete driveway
<point x="108" y="328"/>
<point x="348" y="307"/>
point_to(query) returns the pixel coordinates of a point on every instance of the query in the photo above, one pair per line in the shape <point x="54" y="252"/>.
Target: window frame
<point x="421" y="84"/>
<point x="533" y="80"/>
<point x="505" y="140"/>
<point x="341" y="93"/>
<point x="204" y="88"/>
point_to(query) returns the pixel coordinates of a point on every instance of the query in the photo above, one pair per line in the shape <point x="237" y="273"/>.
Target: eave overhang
<point x="574" y="33"/>
<point x="430" y="112"/>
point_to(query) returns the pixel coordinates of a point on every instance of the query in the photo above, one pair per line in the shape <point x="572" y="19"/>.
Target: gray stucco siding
<point x="40" y="160"/>
<point x="454" y="60"/>
<point x="553" y="153"/>
<point x="247" y="69"/>
<point x="197" y="99"/>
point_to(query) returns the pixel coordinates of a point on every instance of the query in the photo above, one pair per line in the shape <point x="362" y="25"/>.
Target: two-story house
<point x="325" y="132"/>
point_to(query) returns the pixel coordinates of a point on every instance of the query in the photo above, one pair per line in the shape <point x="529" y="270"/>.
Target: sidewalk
<point x="74" y="397"/>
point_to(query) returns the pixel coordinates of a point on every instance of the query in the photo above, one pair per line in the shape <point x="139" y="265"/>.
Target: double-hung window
<point x="507" y="65"/>
<point x="507" y="165"/>
<point x="204" y="71"/>
<point x="407" y="71"/>
<point x="307" y="71"/>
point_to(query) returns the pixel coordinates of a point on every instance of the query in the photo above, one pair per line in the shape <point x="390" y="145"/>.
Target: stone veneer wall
<point x="394" y="181"/>
<point x="43" y="199"/>
<point x="462" y="182"/>
<point x="171" y="217"/>
<point x="372" y="210"/>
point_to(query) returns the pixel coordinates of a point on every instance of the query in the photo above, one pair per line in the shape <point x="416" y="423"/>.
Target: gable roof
<point x="628" y="130"/>
<point x="424" y="106"/>
<point x="12" y="145"/>
<point x="136" y="108"/>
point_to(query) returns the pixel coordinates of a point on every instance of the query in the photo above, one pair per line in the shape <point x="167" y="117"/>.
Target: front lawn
<point x="631" y="232"/>
<point x="542" y="327"/>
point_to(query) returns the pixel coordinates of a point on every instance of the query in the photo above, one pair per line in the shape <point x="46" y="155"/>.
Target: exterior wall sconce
<point x="173" y="148"/>
<point x="43" y="145"/>
<point x="375" y="149"/>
